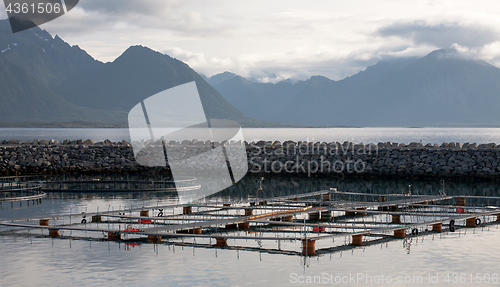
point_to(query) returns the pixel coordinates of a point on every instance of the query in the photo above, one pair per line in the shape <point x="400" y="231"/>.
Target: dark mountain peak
<point x="139" y="73"/>
<point x="452" y="55"/>
<point x="226" y="74"/>
<point x="141" y="56"/>
<point x="446" y="54"/>
<point x="219" y="78"/>
<point x="139" y="50"/>
<point x="320" y="79"/>
<point x="58" y="39"/>
<point x="451" y="60"/>
<point x="441" y="52"/>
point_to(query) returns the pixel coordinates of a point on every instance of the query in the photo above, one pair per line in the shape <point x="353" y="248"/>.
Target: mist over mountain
<point x="259" y="100"/>
<point x="443" y="88"/>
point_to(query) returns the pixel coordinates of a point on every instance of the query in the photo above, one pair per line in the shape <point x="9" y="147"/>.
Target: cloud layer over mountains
<point x="289" y="39"/>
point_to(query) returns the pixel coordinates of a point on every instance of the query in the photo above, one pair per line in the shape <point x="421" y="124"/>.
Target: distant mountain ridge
<point x="50" y="60"/>
<point x="67" y="84"/>
<point x="137" y="74"/>
<point x="440" y="89"/>
<point x="44" y="79"/>
<point x="24" y="98"/>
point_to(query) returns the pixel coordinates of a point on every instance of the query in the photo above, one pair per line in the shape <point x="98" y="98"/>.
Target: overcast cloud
<point x="289" y="38"/>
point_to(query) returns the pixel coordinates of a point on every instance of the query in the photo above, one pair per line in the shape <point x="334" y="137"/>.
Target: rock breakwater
<point x="415" y="160"/>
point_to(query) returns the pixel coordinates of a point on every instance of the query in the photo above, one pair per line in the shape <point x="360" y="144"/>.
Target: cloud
<point x="269" y="40"/>
<point x="296" y="64"/>
<point x="124" y="8"/>
<point x="442" y="34"/>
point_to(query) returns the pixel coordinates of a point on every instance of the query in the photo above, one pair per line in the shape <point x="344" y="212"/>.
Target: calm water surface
<point x="60" y="262"/>
<point x="37" y="261"/>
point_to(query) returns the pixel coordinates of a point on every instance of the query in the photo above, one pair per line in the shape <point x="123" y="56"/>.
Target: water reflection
<point x="197" y="262"/>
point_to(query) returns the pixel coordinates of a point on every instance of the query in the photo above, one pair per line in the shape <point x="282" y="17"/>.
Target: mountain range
<point x="444" y="88"/>
<point x="44" y="79"/>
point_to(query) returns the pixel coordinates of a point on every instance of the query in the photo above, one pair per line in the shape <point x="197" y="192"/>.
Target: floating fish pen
<point x="98" y="184"/>
<point x="308" y="224"/>
<point x="20" y="191"/>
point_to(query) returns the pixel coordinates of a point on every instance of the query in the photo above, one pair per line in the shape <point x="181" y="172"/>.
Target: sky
<point x="279" y="39"/>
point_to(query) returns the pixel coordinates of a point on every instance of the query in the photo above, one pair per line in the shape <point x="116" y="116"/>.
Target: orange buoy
<point x="145" y="213"/>
<point x="248" y="211"/>
<point x="396" y="218"/>
<point x="470" y="222"/>
<point x="53" y="232"/>
<point x="96" y="218"/>
<point x="114" y="236"/>
<point x="187" y="210"/>
<point x="438" y="227"/>
<point x="357" y="240"/>
<point x="154" y="238"/>
<point x="308" y="247"/>
<point x="460" y="201"/>
<point x="221" y="242"/>
<point x="399" y="233"/>
<point x="196" y="230"/>
<point x="44" y="222"/>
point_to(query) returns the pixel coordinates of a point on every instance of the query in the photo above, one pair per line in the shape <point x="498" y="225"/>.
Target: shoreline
<point x="346" y="160"/>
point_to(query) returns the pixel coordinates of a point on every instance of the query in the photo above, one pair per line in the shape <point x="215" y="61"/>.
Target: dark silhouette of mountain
<point x="51" y="60"/>
<point x="219" y="78"/>
<point x="68" y="74"/>
<point x="259" y="100"/>
<point x="44" y="79"/>
<point x="138" y="74"/>
<point x="442" y="89"/>
<point x="203" y="77"/>
<point x="23" y="98"/>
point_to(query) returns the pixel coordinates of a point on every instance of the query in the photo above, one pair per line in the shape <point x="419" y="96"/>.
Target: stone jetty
<point x="391" y="160"/>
